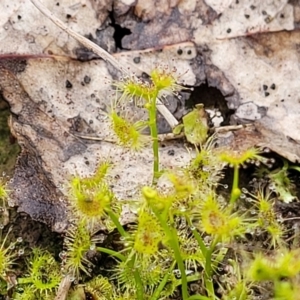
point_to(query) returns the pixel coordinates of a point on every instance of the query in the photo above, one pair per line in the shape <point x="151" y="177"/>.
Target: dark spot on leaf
<point x="228" y="30"/>
<point x="145" y="75"/>
<point x="267" y="94"/>
<point x="189" y="52"/>
<point x="69" y="85"/>
<point x="171" y="152"/>
<point x="87" y="79"/>
<point x="137" y="60"/>
<point x="179" y="51"/>
<point x="273" y="86"/>
<point x="247" y="16"/>
<point x="265" y="87"/>
<point x="268" y="19"/>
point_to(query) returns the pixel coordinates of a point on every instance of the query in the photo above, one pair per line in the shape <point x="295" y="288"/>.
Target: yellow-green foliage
<point x="281" y="184"/>
<point x="77" y="243"/>
<point x="147" y="241"/>
<point x="8" y="151"/>
<point x="91" y="198"/>
<point x="266" y="216"/>
<point x="283" y="263"/>
<point x="164" y="79"/>
<point x="238" y="158"/>
<point x="182" y="234"/>
<point x="195" y="126"/>
<point x="128" y="134"/>
<point x="100" y="288"/>
<point x="8" y="256"/>
<point x="43" y="276"/>
<point x="220" y="222"/>
<point x="3" y="191"/>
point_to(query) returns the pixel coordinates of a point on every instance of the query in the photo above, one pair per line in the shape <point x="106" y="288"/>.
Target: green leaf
<point x="282" y="184"/>
<point x="195" y="125"/>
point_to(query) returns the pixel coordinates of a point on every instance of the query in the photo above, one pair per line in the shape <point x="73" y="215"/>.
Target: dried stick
<point x="63" y="288"/>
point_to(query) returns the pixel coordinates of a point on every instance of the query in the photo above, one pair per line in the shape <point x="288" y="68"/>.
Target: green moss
<point x="8" y="150"/>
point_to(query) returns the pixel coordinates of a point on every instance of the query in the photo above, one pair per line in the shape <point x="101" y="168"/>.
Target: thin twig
<point x="231" y="128"/>
<point x="161" y="137"/>
<point x="63" y="288"/>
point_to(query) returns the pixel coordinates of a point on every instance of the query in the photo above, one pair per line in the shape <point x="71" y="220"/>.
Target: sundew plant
<point x="189" y="241"/>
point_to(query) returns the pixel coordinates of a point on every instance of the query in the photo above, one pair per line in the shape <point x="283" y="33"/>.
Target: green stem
<point x="117" y="223"/>
<point x="154" y="135"/>
<point x="236" y="176"/>
<point x="198" y="297"/>
<point x="207" y="253"/>
<point x="198" y="237"/>
<point x="136" y="274"/>
<point x="112" y="253"/>
<point x="209" y="270"/>
<point x="175" y="246"/>
<point x="295" y="168"/>
<point x="137" y="279"/>
<point x="235" y="185"/>
<point x="24" y="280"/>
<point x="190" y="278"/>
<point x="162" y="284"/>
<point x="209" y="287"/>
<point x="194" y="277"/>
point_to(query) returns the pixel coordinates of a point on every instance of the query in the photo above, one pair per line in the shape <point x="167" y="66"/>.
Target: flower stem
<point x="209" y="270"/>
<point x="198" y="297"/>
<point x="172" y="237"/>
<point x="235" y="192"/>
<point x="117" y="223"/>
<point x="198" y="237"/>
<point x="131" y="262"/>
<point x="162" y="284"/>
<point x="207" y="253"/>
<point x="154" y="133"/>
<point x="137" y="278"/>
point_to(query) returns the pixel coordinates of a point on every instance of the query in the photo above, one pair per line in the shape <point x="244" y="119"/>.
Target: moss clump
<point x="8" y="149"/>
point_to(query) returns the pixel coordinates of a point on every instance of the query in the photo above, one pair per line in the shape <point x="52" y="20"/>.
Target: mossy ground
<point x="9" y="148"/>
